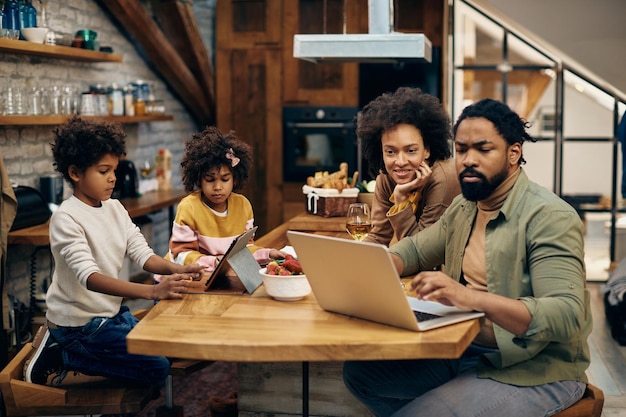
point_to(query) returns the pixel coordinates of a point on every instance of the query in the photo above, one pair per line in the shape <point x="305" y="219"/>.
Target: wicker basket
<point x="329" y="202"/>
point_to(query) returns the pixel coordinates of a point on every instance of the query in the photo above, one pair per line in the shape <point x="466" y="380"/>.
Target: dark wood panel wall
<point x="326" y="84"/>
<point x="256" y="75"/>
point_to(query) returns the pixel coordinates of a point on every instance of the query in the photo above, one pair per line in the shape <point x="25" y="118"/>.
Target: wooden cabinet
<point x="421" y="16"/>
<point x="249" y="93"/>
<point x="256" y="75"/>
<point x="248" y="23"/>
<point x="248" y="90"/>
<point x="309" y="84"/>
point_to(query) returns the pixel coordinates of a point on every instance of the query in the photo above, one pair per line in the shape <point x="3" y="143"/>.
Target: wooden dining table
<point x="256" y="328"/>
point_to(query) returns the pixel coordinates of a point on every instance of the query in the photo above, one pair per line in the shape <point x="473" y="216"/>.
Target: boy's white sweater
<point x="84" y="240"/>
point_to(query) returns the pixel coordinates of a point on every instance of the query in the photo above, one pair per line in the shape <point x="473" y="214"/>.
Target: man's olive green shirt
<point x="534" y="252"/>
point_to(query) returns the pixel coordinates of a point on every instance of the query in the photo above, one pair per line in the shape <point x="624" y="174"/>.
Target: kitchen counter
<point x="140" y="206"/>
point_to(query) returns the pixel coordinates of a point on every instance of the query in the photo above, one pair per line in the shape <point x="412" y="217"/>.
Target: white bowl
<point x="36" y="35"/>
<point x="285" y="287"/>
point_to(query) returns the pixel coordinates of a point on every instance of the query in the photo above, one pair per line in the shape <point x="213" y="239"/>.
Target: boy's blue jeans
<point x="99" y="348"/>
<point x="451" y="387"/>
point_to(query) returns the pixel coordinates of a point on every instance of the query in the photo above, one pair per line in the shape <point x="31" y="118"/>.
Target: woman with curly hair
<point x="405" y="139"/>
<point x="214" y="167"/>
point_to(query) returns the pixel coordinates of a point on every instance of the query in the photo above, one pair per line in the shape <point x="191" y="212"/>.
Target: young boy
<point x="90" y="234"/>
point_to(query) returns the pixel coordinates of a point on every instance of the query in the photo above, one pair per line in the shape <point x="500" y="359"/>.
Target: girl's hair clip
<point x="233" y="159"/>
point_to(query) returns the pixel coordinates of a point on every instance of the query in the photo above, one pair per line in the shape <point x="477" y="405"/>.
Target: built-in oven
<point x="318" y="139"/>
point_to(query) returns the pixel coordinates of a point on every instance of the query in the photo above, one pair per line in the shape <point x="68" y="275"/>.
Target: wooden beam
<point x="177" y="20"/>
<point x="163" y="56"/>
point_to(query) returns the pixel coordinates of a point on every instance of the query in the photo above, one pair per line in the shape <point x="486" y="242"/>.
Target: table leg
<point x="305" y="389"/>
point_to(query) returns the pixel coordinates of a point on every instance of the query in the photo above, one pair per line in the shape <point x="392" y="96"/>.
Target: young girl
<point x="90" y="234"/>
<point x="214" y="167"/>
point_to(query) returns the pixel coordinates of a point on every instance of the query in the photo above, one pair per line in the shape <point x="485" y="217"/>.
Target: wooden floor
<point x="608" y="359"/>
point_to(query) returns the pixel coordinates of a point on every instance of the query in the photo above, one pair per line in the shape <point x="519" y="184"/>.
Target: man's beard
<point x="477" y="191"/>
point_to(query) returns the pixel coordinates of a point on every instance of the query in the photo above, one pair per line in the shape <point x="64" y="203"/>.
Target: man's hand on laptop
<point x="437" y="286"/>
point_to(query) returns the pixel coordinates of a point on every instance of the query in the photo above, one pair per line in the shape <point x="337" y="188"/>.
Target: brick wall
<point x="26" y="150"/>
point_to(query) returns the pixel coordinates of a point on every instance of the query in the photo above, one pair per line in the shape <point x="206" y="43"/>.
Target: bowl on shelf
<point x="86" y="35"/>
<point x="285" y="287"/>
<point x="35" y="34"/>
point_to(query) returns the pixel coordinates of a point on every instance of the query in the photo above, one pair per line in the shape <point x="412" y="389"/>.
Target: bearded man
<point x="513" y="250"/>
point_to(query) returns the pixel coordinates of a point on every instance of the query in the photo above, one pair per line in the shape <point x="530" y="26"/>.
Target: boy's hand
<point x="194" y="271"/>
<point x="171" y="286"/>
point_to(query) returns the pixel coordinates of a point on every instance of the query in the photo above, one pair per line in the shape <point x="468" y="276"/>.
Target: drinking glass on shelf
<point x="146" y="169"/>
<point x="15" y="102"/>
<point x="68" y="99"/>
<point x="55" y="104"/>
<point x="358" y="222"/>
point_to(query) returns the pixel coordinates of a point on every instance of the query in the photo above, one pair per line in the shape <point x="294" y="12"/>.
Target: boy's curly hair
<point x="208" y="150"/>
<point x="404" y="106"/>
<point x="83" y="143"/>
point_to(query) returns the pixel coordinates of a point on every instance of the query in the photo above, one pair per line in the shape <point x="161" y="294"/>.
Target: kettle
<point x="127" y="182"/>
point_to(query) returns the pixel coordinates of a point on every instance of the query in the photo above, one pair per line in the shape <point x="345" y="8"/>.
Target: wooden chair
<point x="77" y="395"/>
<point x="590" y="405"/>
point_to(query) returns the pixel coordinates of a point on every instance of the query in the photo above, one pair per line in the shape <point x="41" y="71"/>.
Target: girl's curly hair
<point x="212" y="149"/>
<point x="83" y="143"/>
<point x="404" y="106"/>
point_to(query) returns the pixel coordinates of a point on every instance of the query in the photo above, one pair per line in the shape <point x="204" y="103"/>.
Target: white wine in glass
<point x="358" y="222"/>
<point x="146" y="169"/>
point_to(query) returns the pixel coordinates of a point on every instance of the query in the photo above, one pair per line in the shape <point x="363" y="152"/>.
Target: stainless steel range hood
<point x="380" y="44"/>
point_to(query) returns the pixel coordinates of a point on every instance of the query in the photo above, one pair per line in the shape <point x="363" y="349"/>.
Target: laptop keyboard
<point x="422" y="316"/>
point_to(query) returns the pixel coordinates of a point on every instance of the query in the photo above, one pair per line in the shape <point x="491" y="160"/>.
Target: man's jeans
<point x="451" y="387"/>
<point x="99" y="348"/>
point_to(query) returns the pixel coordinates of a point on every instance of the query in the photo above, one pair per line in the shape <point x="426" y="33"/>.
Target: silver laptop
<point x="359" y="279"/>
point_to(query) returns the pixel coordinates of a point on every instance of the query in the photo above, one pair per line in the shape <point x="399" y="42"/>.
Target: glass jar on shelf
<point x="155" y="107"/>
<point x="129" y="101"/>
<point x="140" y="106"/>
<point x="116" y="98"/>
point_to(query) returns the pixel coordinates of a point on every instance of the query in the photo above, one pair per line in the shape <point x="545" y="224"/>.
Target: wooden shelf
<point x="56" y="51"/>
<point x="60" y="119"/>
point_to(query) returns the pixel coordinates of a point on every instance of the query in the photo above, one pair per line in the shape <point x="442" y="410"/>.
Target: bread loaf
<point x="337" y="180"/>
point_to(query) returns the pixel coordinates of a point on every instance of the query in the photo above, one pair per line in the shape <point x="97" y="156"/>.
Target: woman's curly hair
<point x="211" y="149"/>
<point x="508" y="123"/>
<point x="83" y="143"/>
<point x="404" y="106"/>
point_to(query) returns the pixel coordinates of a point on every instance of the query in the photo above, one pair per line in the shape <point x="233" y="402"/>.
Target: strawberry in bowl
<point x="288" y="266"/>
<point x="284" y="280"/>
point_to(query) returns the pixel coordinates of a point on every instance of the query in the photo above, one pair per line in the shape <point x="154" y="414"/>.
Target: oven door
<point x="318" y="146"/>
<point x="312" y="147"/>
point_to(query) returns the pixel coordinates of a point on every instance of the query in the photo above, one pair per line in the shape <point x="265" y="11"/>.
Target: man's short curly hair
<point x="404" y="106"/>
<point x="208" y="150"/>
<point x="508" y="123"/>
<point x="83" y="143"/>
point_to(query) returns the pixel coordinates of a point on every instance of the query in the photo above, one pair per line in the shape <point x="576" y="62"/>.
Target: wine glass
<point x="146" y="169"/>
<point x="358" y="222"/>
